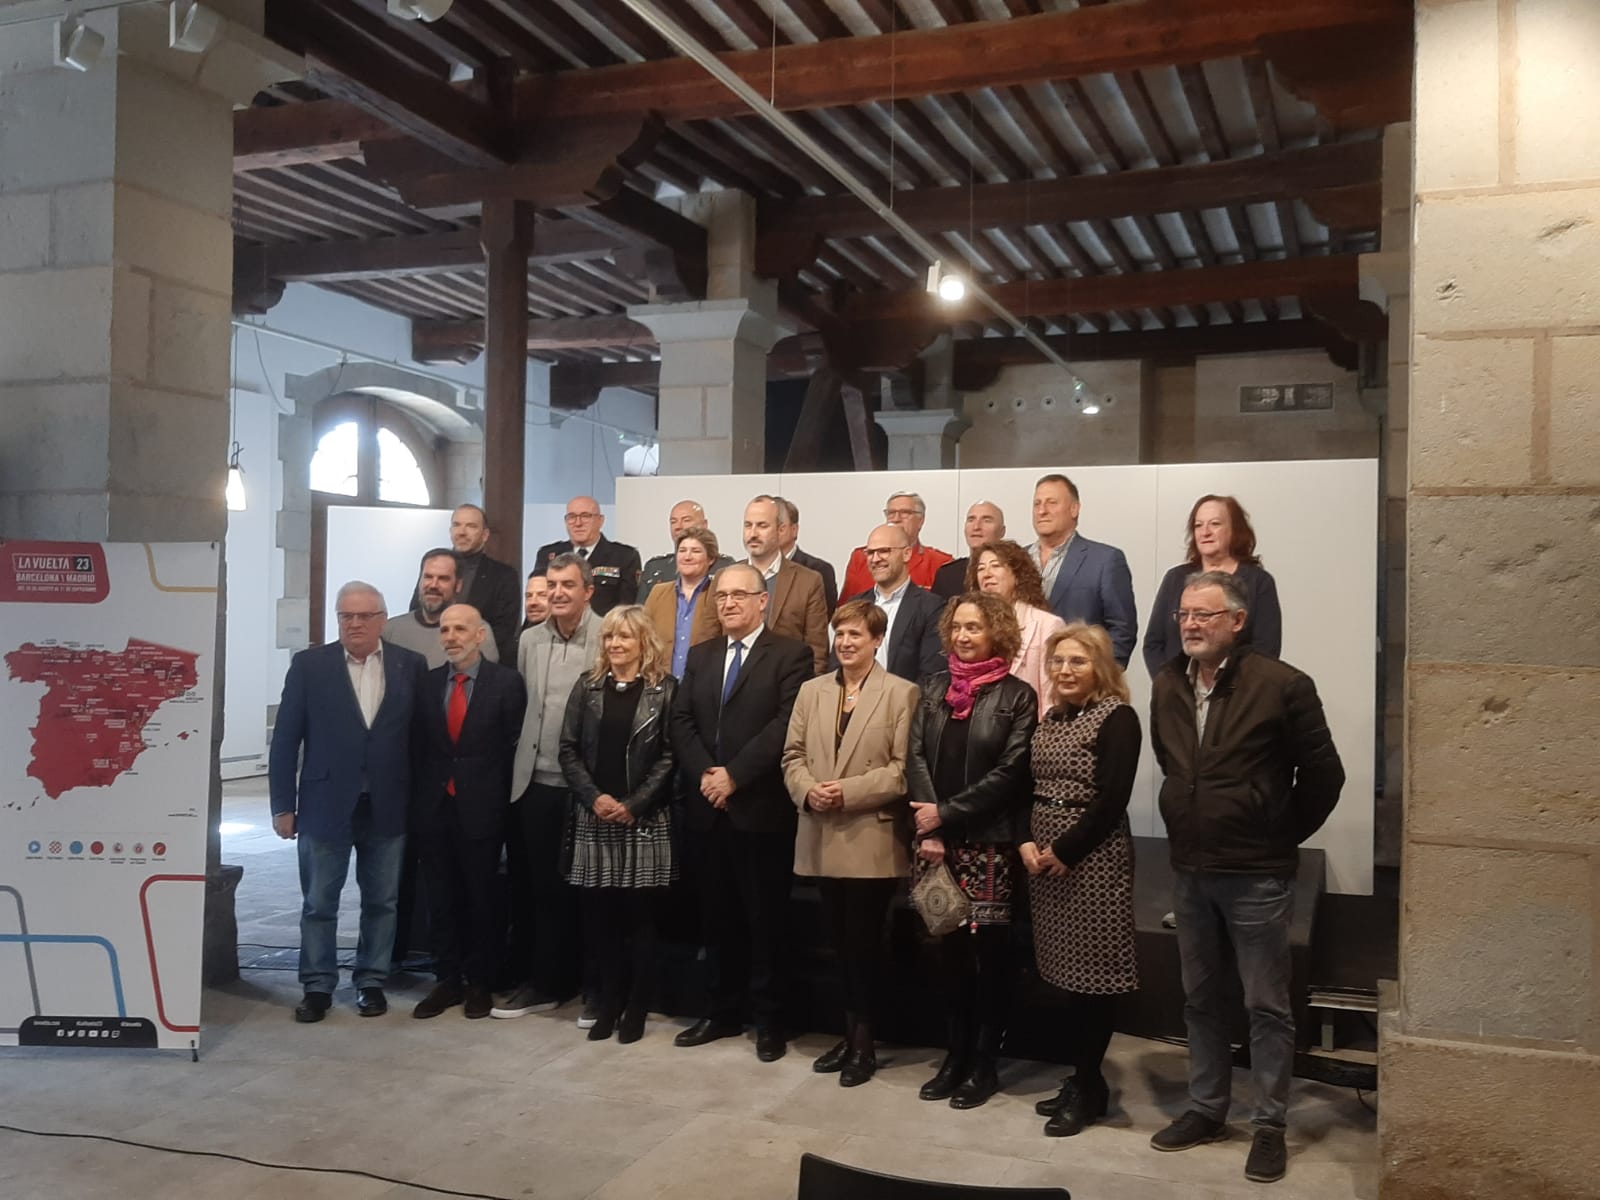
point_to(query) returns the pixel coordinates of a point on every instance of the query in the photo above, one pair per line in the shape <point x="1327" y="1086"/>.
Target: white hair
<point x="358" y="585"/>
<point x="922" y="508"/>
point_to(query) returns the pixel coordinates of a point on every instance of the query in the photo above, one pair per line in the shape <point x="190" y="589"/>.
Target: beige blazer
<point x="870" y="837"/>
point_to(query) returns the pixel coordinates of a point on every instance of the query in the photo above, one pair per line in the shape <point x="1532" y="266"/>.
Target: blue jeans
<point x="1251" y="912"/>
<point x="324" y="863"/>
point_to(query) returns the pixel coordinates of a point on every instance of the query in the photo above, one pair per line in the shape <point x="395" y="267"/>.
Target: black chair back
<point x="822" y="1179"/>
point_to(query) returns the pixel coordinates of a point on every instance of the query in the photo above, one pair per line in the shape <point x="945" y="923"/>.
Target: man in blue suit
<point x="1083" y="580"/>
<point x="348" y="706"/>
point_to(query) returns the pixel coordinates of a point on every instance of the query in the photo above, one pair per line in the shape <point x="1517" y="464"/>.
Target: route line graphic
<point x="150" y="945"/>
<point x="27" y="951"/>
<point x="74" y="939"/>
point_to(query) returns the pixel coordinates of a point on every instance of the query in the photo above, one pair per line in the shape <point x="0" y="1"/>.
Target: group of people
<point x="967" y="725"/>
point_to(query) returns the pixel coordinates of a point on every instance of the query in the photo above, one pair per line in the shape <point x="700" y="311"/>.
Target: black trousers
<point x="979" y="979"/>
<point x="619" y="936"/>
<point x="465" y="919"/>
<point x="744" y="880"/>
<point x="1090" y="1019"/>
<point x="547" y="941"/>
<point x="853" y="911"/>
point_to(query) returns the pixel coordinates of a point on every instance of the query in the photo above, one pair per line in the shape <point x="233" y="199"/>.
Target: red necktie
<point x="455" y="718"/>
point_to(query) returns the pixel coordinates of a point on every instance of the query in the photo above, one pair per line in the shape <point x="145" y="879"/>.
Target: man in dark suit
<point x="911" y="647"/>
<point x="1083" y="580"/>
<point x="729" y="722"/>
<point x="348" y="706"/>
<point x="615" y="566"/>
<point x="466" y="726"/>
<point x="492" y="587"/>
<point x="985" y="524"/>
<point x="789" y="544"/>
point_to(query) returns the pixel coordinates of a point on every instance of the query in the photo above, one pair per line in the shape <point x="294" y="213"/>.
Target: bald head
<point x="889" y="557"/>
<point x="462" y="631"/>
<point x="685" y="514"/>
<point x="985" y="524"/>
<point x="584" y="521"/>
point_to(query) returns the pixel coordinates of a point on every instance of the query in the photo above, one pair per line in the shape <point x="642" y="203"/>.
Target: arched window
<point x="335" y="465"/>
<point x="371" y="453"/>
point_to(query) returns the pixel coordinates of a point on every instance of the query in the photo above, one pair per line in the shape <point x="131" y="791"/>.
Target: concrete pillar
<point x="1490" y="1057"/>
<point x="713" y="397"/>
<point x="922" y="439"/>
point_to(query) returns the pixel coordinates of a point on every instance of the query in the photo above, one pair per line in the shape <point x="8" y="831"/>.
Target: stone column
<point x="1490" y="1060"/>
<point x="116" y="264"/>
<point x="922" y="438"/>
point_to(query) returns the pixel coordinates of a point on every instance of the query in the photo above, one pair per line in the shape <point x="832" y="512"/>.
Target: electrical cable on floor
<point x="254" y="1162"/>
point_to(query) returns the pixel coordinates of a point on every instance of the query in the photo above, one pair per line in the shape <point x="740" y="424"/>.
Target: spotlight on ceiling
<point x="949" y="288"/>
<point x="76" y="45"/>
<point x="1090" y="409"/>
<point x="419" y="10"/>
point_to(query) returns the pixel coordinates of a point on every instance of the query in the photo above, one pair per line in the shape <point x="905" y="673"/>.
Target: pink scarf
<point x="965" y="680"/>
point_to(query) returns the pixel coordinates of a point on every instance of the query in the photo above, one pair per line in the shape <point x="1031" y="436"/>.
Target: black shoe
<point x="371" y="1002"/>
<point x="1086" y="1105"/>
<point x="313" y="1007"/>
<point x="521" y="1001"/>
<point x="1051" y="1105"/>
<point x="858" y="1068"/>
<point x="983" y="1083"/>
<point x="706" y="1030"/>
<point x="605" y="1024"/>
<point x="1188" y="1131"/>
<point x="477" y="1004"/>
<point x="1269" y="1157"/>
<point x="631" y="1027"/>
<point x="832" y="1060"/>
<point x="443" y="996"/>
<point x="771" y="1045"/>
<point x="952" y="1071"/>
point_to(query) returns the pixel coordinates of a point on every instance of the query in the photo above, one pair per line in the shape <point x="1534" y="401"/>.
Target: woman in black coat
<point x="617" y="759"/>
<point x="967" y="770"/>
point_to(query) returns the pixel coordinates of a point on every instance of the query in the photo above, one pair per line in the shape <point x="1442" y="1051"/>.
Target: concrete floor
<point x="529" y="1108"/>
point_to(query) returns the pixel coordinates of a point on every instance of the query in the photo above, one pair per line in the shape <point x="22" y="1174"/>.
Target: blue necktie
<point x="733" y="671"/>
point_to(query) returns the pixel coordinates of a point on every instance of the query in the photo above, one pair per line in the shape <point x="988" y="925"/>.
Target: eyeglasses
<point x="880" y="551"/>
<point x="350" y="618"/>
<point x="582" y="516"/>
<point x="1199" y="616"/>
<point x="1076" y="663"/>
<point x="723" y="598"/>
<point x="899" y="512"/>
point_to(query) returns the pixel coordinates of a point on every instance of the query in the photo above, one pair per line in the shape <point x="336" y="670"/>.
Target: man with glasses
<point x="797" y="607"/>
<point x="906" y="510"/>
<point x="1250" y="772"/>
<point x="729" y="722"/>
<point x="339" y="778"/>
<point x="910" y="648"/>
<point x="614" y="566"/>
<point x="684" y="516"/>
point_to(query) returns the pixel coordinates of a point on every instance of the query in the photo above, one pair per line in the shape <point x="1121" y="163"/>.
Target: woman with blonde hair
<point x="617" y="759"/>
<point x="1005" y="569"/>
<point x="1079" y="858"/>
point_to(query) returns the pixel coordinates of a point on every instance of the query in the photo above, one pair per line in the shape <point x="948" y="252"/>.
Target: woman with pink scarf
<point x="968" y="772"/>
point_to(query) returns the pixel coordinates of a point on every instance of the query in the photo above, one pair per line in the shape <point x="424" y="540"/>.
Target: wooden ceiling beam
<point x="443" y="341"/>
<point x="287" y="135"/>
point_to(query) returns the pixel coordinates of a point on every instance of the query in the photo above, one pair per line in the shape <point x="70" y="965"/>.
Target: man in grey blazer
<point x="1083" y="580"/>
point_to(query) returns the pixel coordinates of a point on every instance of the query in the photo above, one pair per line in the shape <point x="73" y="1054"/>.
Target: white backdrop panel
<point x="1317" y="527"/>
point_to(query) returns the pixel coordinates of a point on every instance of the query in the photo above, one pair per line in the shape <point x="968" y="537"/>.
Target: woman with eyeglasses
<point x="616" y="754"/>
<point x="681" y="609"/>
<point x="1220" y="538"/>
<point x="1005" y="569"/>
<point x="1079" y="858"/>
<point x="967" y="772"/>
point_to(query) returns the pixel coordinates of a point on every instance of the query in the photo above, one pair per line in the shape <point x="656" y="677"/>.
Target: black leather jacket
<point x="994" y="805"/>
<point x="650" y="761"/>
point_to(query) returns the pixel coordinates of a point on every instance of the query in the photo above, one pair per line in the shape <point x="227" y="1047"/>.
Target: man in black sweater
<point x="492" y="587"/>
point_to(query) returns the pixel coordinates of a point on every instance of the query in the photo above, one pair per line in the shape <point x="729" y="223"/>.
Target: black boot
<point x="1051" y="1105"/>
<point x="984" y="1080"/>
<point x="953" y="1071"/>
<point x="1089" y="1099"/>
<point x="862" y="1062"/>
<point x="832" y="1060"/>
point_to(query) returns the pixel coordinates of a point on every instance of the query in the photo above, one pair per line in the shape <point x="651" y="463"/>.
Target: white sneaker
<point x="519" y="1003"/>
<point x="590" y="1016"/>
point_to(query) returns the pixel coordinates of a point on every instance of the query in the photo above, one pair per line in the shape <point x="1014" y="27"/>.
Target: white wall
<point x="1317" y="528"/>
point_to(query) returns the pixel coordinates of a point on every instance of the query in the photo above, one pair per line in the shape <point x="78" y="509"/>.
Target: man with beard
<point x="438" y="587"/>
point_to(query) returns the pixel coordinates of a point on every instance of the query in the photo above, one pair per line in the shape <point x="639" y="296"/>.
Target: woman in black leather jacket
<point x="617" y="758"/>
<point x="969" y="776"/>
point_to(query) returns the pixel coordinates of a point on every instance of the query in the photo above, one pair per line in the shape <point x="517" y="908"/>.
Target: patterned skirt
<point x="1083" y="936"/>
<point x="983" y="872"/>
<point x="602" y="854"/>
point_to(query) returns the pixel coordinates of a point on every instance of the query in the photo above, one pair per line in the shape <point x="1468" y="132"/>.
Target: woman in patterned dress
<point x="617" y="759"/>
<point x="1079" y="858"/>
<point x="967" y="773"/>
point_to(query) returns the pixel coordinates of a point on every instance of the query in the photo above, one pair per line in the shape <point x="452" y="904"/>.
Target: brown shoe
<point x="443" y="996"/>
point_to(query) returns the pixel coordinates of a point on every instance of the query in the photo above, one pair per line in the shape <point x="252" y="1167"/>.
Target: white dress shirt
<point x="366" y="677"/>
<point x="891" y="608"/>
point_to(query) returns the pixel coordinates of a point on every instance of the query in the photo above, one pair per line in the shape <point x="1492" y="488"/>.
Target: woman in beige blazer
<point x="844" y="764"/>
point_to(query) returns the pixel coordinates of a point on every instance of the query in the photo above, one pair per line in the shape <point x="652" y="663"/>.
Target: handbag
<point x="941" y="902"/>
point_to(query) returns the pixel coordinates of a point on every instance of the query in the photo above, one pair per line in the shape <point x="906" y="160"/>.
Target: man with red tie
<point x="467" y="719"/>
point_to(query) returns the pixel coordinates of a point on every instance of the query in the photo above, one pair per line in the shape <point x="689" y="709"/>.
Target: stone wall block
<point x="294" y="531"/>
<point x="130" y="327"/>
<point x="83" y="223"/>
<point x="1473" y="1122"/>
<point x="165" y="132"/>
<point x="296" y="573"/>
<point x="56" y="144"/>
<point x="1558" y="40"/>
<point x="174" y="240"/>
<point x="1525" y="260"/>
<point x="1457" y="96"/>
<point x="1505" y="755"/>
<point x="294" y="623"/>
<point x="693" y="456"/>
<point x="1496" y="943"/>
<point x="166" y="443"/>
<point x="168" y="518"/>
<point x="719" y="401"/>
<point x="189" y="344"/>
<point x="1504" y="579"/>
<point x="54" y="515"/>
<point x="1472" y="412"/>
<point x="682" y="411"/>
<point x="24" y="231"/>
<point x="38" y="344"/>
<point x="1574" y="403"/>
<point x="53" y="436"/>
<point x="693" y="364"/>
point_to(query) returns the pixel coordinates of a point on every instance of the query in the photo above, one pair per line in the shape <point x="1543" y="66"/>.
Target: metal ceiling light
<point x="234" y="491"/>
<point x="76" y="45"/>
<point x="950" y="288"/>
<point x="419" y="10"/>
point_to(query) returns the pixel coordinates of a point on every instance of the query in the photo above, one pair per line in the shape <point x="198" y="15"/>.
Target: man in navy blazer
<point x="911" y="649"/>
<point x="348" y="706"/>
<point x="466" y="727"/>
<point x="1083" y="580"/>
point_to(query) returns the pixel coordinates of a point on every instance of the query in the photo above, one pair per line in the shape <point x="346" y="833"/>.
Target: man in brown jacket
<point x="796" y="605"/>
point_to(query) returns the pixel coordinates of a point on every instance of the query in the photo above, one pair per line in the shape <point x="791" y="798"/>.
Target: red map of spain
<point x="92" y="718"/>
